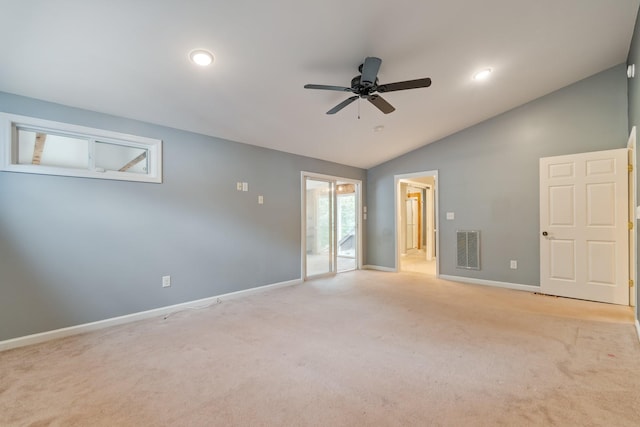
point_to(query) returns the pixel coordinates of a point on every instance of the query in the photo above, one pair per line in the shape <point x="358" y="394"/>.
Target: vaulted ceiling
<point x="130" y="58"/>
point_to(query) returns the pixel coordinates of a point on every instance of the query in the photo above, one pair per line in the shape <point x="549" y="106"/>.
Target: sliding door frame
<point x="303" y="226"/>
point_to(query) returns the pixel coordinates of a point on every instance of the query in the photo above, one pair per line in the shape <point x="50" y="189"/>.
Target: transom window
<point x="44" y="147"/>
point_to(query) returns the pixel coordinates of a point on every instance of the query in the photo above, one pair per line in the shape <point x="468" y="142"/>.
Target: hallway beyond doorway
<point x="415" y="261"/>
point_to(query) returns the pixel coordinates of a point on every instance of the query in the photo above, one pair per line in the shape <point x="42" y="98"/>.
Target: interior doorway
<point x="331" y="229"/>
<point x="416" y="223"/>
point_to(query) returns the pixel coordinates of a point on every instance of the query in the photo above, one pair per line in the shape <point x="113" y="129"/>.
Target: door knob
<point x="544" y="233"/>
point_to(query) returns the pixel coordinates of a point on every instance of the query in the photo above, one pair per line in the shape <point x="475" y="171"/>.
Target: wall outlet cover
<point x="166" y="281"/>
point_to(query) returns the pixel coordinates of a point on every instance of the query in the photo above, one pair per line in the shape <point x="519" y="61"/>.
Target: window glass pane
<point x="39" y="148"/>
<point x="52" y="148"/>
<point x="115" y="157"/>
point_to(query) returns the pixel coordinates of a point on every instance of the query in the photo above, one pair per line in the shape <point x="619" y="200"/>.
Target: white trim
<point x="396" y="197"/>
<point x="379" y="268"/>
<point x="515" y="286"/>
<point x="156" y="312"/>
<point x="638" y="328"/>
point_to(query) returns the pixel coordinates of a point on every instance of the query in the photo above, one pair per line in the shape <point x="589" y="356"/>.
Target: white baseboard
<point x="156" y="312"/>
<point x="638" y="328"/>
<point x="379" y="268"/>
<point x="516" y="286"/>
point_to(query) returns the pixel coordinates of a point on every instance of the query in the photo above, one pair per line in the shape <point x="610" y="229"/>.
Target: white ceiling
<point x="129" y="58"/>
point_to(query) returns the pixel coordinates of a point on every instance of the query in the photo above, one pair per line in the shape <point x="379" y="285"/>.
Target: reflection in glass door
<point x="319" y="227"/>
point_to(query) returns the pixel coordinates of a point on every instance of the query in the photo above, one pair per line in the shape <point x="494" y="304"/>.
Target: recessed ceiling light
<point x="201" y="57"/>
<point x="482" y="74"/>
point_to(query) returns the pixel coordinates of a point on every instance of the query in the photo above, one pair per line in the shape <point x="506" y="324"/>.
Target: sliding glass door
<point x="330" y="225"/>
<point x="319" y="227"/>
<point x="346" y="226"/>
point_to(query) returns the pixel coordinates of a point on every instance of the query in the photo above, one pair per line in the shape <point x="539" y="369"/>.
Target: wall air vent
<point x="468" y="249"/>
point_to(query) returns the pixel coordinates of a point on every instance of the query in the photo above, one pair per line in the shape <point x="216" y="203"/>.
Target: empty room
<point x="279" y="213"/>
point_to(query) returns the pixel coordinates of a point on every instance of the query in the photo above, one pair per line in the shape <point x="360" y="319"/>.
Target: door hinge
<point x="630" y="225"/>
<point x="631" y="283"/>
<point x="630" y="168"/>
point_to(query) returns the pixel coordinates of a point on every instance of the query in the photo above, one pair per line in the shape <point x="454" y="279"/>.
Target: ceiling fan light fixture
<point x="201" y="57"/>
<point x="482" y="74"/>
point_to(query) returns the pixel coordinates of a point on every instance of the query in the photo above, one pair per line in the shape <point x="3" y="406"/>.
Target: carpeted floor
<point x="361" y="349"/>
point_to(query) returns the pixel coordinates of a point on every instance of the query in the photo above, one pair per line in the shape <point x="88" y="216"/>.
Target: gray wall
<point x="488" y="175"/>
<point x="76" y="250"/>
<point x="634" y="118"/>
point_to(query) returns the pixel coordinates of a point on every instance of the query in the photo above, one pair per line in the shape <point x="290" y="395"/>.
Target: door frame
<point x="397" y="179"/>
<point x="430" y="222"/>
<point x="633" y="215"/>
<point x="303" y="223"/>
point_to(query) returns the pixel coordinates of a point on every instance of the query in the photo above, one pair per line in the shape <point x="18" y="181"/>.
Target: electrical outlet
<point x="245" y="186"/>
<point x="260" y="200"/>
<point x="166" y="281"/>
<point x="514" y="264"/>
<point x="239" y="186"/>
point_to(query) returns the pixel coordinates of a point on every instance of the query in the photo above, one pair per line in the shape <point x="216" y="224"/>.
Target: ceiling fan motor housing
<point x="363" y="88"/>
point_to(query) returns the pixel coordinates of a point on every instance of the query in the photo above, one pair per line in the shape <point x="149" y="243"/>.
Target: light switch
<point x="260" y="200"/>
<point x="451" y="215"/>
<point x="239" y="186"/>
<point x="245" y="186"/>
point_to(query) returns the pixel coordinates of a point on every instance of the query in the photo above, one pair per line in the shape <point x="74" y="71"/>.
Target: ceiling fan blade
<point x="382" y="105"/>
<point x="370" y="70"/>
<point x="409" y="84"/>
<point x="342" y="105"/>
<point x="326" y="87"/>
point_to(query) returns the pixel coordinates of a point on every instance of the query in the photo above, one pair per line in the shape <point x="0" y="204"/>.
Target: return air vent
<point x="468" y="249"/>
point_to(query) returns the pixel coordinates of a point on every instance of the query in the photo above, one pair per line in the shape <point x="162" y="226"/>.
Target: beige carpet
<point x="361" y="349"/>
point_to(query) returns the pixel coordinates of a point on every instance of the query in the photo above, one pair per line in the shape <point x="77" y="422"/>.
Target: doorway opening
<point x="330" y="225"/>
<point x="417" y="222"/>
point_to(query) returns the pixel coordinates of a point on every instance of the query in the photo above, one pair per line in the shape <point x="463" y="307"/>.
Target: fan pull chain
<point x="359" y="108"/>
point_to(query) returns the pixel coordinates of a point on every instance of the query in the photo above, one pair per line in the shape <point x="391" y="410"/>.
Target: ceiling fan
<point x="366" y="85"/>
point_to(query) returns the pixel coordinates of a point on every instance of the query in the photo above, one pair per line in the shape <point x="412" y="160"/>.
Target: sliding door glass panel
<point x="319" y="227"/>
<point x="346" y="226"/>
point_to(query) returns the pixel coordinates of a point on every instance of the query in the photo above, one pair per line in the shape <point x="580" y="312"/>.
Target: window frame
<point x="9" y="124"/>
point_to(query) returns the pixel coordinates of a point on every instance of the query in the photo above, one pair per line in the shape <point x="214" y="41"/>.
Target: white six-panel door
<point x="584" y="226"/>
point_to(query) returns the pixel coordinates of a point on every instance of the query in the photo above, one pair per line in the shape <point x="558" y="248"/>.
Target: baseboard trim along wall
<point x="516" y="286"/>
<point x="638" y="328"/>
<point x="379" y="268"/>
<point x="101" y="324"/>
